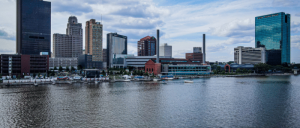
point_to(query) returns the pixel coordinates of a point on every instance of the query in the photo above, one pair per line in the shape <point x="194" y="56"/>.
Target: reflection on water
<point x="208" y="102"/>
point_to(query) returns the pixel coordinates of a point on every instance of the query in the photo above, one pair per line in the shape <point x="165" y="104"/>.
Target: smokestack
<point x="204" y="54"/>
<point x="157" y="47"/>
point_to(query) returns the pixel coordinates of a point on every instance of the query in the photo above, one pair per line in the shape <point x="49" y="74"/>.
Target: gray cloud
<point x="295" y="27"/>
<point x="286" y="3"/>
<point x="298" y="14"/>
<point x="5" y="35"/>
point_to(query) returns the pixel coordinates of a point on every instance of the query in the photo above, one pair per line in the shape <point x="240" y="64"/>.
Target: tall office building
<point x="273" y="32"/>
<point x="70" y="44"/>
<point x="93" y="39"/>
<point x="147" y="46"/>
<point x="33" y="27"/>
<point x="249" y="55"/>
<point x="116" y="44"/>
<point x="165" y="50"/>
<point x="197" y="50"/>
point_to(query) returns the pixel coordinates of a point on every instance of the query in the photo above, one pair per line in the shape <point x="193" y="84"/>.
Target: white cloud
<point x="295" y="41"/>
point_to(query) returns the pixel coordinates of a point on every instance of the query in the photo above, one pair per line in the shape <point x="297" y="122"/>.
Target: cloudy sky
<point x="227" y="23"/>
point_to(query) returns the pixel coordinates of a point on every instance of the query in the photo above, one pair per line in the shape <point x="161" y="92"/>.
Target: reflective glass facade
<point x="188" y="69"/>
<point x="33" y="27"/>
<point x="116" y="44"/>
<point x="273" y="32"/>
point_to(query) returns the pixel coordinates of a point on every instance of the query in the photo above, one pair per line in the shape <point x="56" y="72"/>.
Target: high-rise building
<point x="147" y="46"/>
<point x="33" y="27"/>
<point x="273" y="32"/>
<point x="104" y="55"/>
<point x="93" y="39"/>
<point x="116" y="44"/>
<point x="70" y="44"/>
<point x="197" y="50"/>
<point x="248" y="55"/>
<point x="165" y="50"/>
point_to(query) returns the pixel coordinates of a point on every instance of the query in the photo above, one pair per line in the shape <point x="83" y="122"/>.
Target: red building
<point x="152" y="67"/>
<point x="23" y="65"/>
<point x="194" y="56"/>
<point x="147" y="46"/>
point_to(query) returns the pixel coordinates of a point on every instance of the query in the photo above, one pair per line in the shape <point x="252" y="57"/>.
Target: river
<point x="208" y="102"/>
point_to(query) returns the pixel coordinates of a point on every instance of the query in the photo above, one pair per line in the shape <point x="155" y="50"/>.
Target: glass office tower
<point x="33" y="27"/>
<point x="116" y="44"/>
<point x="273" y="32"/>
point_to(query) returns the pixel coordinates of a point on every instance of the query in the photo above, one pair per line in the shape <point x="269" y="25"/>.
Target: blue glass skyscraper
<point x="273" y="32"/>
<point x="33" y="27"/>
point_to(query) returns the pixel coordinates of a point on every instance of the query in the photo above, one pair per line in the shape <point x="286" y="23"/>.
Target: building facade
<point x="63" y="62"/>
<point x="188" y="69"/>
<point x="116" y="44"/>
<point x="70" y="44"/>
<point x="194" y="56"/>
<point x="273" y="32"/>
<point x="33" y="27"/>
<point x="197" y="50"/>
<point x="93" y="39"/>
<point x="86" y="62"/>
<point x="248" y="55"/>
<point x="153" y="68"/>
<point x="147" y="46"/>
<point x="165" y="50"/>
<point x="23" y="65"/>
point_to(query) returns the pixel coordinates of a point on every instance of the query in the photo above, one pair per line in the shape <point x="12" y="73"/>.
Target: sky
<point x="226" y="23"/>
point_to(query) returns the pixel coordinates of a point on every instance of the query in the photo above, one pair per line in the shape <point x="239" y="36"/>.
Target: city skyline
<point x="237" y="29"/>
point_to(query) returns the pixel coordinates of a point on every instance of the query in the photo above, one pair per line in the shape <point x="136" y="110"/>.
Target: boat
<point x="156" y="79"/>
<point x="62" y="78"/>
<point x="168" y="78"/>
<point x="188" y="81"/>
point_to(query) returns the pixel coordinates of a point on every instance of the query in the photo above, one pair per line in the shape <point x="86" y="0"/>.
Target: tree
<point x="249" y="71"/>
<point x="55" y="68"/>
<point x="39" y="75"/>
<point x="34" y="75"/>
<point x="79" y="67"/>
<point x="60" y="68"/>
<point x="238" y="70"/>
<point x="121" y="72"/>
<point x="218" y="69"/>
<point x="44" y="76"/>
<point x="0" y="75"/>
<point x="103" y="73"/>
<point x="72" y="68"/>
<point x="19" y="76"/>
<point x="67" y="68"/>
<point x="261" y="67"/>
<point x="244" y="70"/>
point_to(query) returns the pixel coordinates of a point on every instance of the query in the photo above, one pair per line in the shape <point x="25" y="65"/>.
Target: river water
<point x="208" y="102"/>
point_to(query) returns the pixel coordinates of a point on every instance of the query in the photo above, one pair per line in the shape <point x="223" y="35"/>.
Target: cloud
<point x="286" y="3"/>
<point x="295" y="41"/>
<point x="295" y="27"/>
<point x="5" y="35"/>
<point x="7" y="46"/>
<point x="73" y="7"/>
<point x="239" y="28"/>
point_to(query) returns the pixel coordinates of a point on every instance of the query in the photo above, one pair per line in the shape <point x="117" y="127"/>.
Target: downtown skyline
<point x="183" y="25"/>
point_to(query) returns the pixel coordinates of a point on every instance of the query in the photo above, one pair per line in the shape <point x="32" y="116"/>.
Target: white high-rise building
<point x="249" y="55"/>
<point x="69" y="45"/>
<point x="165" y="50"/>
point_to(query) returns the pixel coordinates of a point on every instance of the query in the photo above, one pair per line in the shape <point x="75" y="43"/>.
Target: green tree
<point x="44" y="76"/>
<point x="60" y="68"/>
<point x="19" y="77"/>
<point x="121" y="72"/>
<point x="39" y="75"/>
<point x="79" y="67"/>
<point x="261" y="68"/>
<point x="244" y="70"/>
<point x="34" y="75"/>
<point x="55" y="68"/>
<point x="72" y="68"/>
<point x="103" y="72"/>
<point x="0" y="75"/>
<point x="238" y="70"/>
<point x="249" y="71"/>
<point x="218" y="69"/>
<point x="67" y="68"/>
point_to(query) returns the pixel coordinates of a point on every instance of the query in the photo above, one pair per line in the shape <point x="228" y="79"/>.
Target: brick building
<point x="23" y="65"/>
<point x="152" y="67"/>
<point x="194" y="56"/>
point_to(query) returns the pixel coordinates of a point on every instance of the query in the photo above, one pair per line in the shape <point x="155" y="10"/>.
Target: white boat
<point x="168" y="78"/>
<point x="96" y="82"/>
<point x="127" y="80"/>
<point x="188" y="81"/>
<point x="156" y="79"/>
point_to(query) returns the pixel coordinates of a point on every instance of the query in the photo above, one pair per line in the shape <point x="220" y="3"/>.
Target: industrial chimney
<point x="157" y="47"/>
<point x="204" y="53"/>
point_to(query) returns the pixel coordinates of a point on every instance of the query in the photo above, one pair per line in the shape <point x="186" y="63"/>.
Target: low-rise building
<point x="85" y="61"/>
<point x="151" y="67"/>
<point x="23" y="65"/>
<point x="186" y="69"/>
<point x="63" y="62"/>
<point x="249" y="55"/>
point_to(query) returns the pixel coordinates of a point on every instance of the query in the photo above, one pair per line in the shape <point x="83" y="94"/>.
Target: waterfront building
<point x="152" y="67"/>
<point x="165" y="50"/>
<point x="194" y="56"/>
<point x="116" y="44"/>
<point x="273" y="32"/>
<point x="197" y="49"/>
<point x="70" y="44"/>
<point x="63" y="62"/>
<point x="249" y="55"/>
<point x="33" y="27"/>
<point x="147" y="46"/>
<point x="233" y="67"/>
<point x="86" y="62"/>
<point x="14" y="65"/>
<point x="93" y="39"/>
<point x="185" y="69"/>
